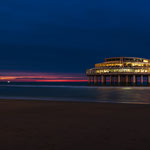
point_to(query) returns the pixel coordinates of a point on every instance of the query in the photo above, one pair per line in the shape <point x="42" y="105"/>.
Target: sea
<point x="75" y="92"/>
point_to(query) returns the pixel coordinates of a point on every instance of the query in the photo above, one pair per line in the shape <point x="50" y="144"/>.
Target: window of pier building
<point x="108" y="65"/>
<point x="113" y="59"/>
<point x="136" y="64"/>
<point x="132" y="59"/>
<point x="122" y="70"/>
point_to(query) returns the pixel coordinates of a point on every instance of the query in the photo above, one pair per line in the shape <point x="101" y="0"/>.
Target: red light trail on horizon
<point x="41" y="77"/>
<point x="61" y="80"/>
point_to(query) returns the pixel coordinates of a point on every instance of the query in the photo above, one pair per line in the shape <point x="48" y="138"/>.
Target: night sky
<point x="70" y="36"/>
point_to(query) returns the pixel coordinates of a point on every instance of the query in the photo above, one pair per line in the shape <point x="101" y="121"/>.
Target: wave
<point x="74" y="86"/>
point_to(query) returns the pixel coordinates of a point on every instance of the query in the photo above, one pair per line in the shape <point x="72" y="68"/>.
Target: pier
<point x="120" y="71"/>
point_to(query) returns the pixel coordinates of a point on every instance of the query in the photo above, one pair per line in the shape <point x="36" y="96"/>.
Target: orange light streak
<point x="61" y="80"/>
<point x="41" y="77"/>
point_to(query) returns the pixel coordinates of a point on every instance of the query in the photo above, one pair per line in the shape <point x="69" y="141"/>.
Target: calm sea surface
<point x="74" y="92"/>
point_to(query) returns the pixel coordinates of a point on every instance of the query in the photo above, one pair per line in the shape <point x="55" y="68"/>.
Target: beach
<point x="47" y="125"/>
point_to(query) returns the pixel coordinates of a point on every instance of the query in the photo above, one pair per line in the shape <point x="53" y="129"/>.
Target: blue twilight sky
<point x="69" y="36"/>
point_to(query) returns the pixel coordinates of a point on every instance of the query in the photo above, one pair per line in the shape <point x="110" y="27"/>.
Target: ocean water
<point x="78" y="92"/>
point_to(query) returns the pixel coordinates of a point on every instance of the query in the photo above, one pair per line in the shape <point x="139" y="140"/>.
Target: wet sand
<point x="44" y="125"/>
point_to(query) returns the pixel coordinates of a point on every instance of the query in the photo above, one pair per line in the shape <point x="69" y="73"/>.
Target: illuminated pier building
<point x="120" y="70"/>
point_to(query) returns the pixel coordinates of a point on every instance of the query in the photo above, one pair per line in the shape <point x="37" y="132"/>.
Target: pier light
<point x="145" y="60"/>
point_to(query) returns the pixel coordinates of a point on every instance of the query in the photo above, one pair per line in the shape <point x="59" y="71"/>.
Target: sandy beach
<point x="45" y="125"/>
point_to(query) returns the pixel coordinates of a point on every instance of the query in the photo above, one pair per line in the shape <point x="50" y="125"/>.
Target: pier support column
<point x="134" y="79"/>
<point x="110" y="79"/>
<point x="99" y="79"/>
<point x="118" y="79"/>
<point x="113" y="80"/>
<point x="148" y="79"/>
<point x="102" y="79"/>
<point x="141" y="79"/>
<point x="89" y="80"/>
<point x="95" y="80"/>
<point x="127" y="79"/>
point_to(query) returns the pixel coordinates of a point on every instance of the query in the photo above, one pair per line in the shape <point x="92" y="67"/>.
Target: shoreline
<point x="68" y="101"/>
